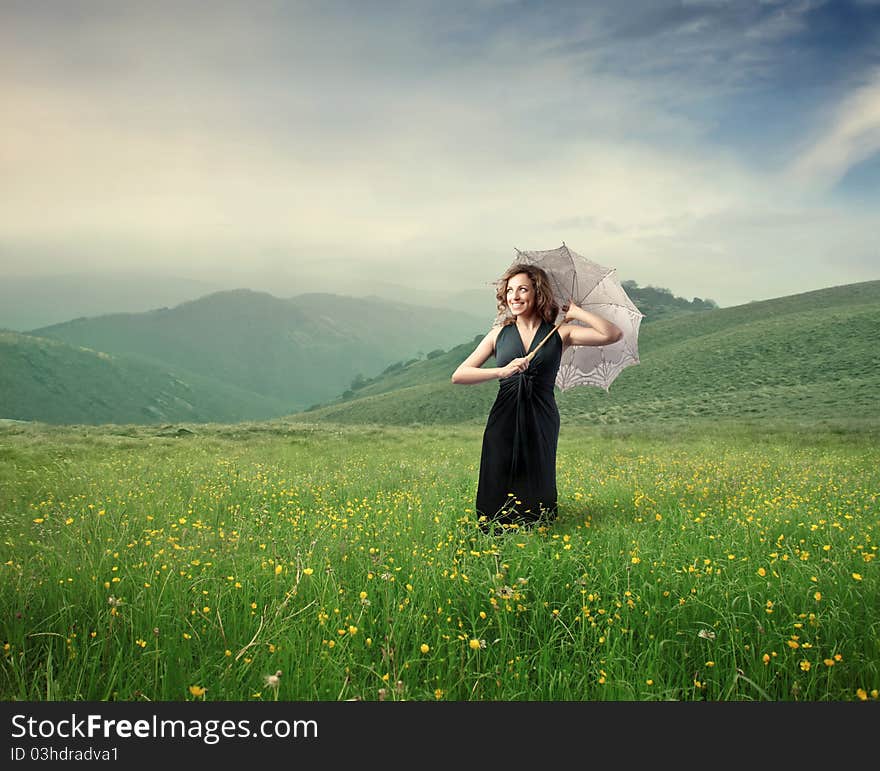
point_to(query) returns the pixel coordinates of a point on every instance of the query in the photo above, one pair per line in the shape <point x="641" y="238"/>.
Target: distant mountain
<point x="53" y="382"/>
<point x="35" y="302"/>
<point x="29" y="302"/>
<point x="810" y="356"/>
<point x="293" y="352"/>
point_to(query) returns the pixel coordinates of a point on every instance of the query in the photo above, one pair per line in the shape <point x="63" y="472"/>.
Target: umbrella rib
<point x="604" y="276"/>
<point x="573" y="273"/>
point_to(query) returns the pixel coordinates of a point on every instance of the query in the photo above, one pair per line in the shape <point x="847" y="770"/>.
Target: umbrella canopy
<point x="595" y="288"/>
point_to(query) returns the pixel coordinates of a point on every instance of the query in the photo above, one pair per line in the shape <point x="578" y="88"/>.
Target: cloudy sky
<point x="725" y="150"/>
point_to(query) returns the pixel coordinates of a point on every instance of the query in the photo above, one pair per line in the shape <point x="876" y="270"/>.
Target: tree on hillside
<point x="656" y="302"/>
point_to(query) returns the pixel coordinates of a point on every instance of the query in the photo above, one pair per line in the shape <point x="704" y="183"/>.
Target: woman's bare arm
<point x="600" y="332"/>
<point x="471" y="370"/>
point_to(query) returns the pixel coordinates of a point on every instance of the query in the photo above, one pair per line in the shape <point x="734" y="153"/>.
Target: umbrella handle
<point x="552" y="331"/>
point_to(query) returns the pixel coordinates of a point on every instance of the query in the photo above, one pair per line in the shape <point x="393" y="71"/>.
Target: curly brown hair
<point x="545" y="306"/>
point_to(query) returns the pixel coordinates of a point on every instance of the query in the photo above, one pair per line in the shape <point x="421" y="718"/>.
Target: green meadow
<point x="289" y="560"/>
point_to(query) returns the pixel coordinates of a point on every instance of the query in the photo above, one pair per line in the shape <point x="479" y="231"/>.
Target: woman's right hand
<point x="514" y="367"/>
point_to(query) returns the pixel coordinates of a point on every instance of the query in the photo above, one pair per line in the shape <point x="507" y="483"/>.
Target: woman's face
<point x="520" y="295"/>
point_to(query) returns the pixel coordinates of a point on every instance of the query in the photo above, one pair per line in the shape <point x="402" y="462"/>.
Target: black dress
<point x="518" y="460"/>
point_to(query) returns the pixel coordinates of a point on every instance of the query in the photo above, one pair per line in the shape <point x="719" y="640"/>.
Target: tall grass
<point x="710" y="564"/>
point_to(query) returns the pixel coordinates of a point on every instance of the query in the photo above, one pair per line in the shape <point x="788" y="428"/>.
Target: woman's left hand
<point x="570" y="309"/>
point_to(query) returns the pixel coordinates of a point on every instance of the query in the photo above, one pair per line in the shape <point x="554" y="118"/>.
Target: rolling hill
<point x="291" y="352"/>
<point x="811" y="356"/>
<point x="54" y="382"/>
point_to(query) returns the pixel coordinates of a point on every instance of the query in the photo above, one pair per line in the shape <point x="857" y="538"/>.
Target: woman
<point x="517" y="481"/>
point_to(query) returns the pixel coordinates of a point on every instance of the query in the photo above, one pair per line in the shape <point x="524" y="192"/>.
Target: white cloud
<point x="851" y="136"/>
<point x="787" y="19"/>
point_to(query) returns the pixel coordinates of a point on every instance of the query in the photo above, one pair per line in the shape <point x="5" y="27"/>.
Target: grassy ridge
<point x="54" y="382"/>
<point x="721" y="564"/>
<point x="806" y="357"/>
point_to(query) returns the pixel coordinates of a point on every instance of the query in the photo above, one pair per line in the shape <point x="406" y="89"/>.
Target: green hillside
<point x="53" y="382"/>
<point x="294" y="351"/>
<point x="810" y="356"/>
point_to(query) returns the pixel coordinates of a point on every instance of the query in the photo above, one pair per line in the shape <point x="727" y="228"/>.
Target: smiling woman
<point x="517" y="483"/>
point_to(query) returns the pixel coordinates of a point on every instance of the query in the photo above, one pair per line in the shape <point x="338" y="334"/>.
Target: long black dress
<point x="518" y="460"/>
